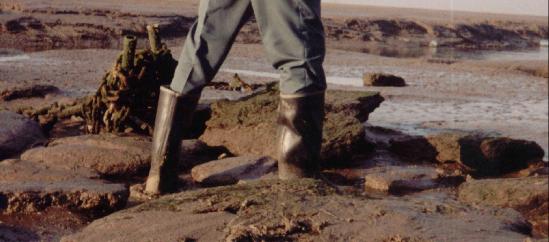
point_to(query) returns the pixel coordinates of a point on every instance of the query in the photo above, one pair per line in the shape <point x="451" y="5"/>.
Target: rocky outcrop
<point x="530" y="195"/>
<point x="231" y="170"/>
<point x="383" y="80"/>
<point x="17" y="133"/>
<point x="402" y="179"/>
<point x="304" y="210"/>
<point x="248" y="126"/>
<point x="487" y="156"/>
<point x="27" y="187"/>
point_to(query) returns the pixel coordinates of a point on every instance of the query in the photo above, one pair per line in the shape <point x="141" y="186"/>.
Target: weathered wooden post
<point x="128" y="53"/>
<point x="154" y="38"/>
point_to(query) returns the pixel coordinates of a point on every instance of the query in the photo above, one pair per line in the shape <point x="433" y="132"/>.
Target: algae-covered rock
<point x="301" y="210"/>
<point x="248" y="126"/>
<point x="27" y="187"/>
<point x="27" y="91"/>
<point x="382" y="79"/>
<point x="17" y="133"/>
<point x="486" y="156"/>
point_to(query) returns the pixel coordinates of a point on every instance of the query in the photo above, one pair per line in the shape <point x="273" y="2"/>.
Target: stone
<point x="401" y="179"/>
<point x="529" y="195"/>
<point x="28" y="91"/>
<point x="413" y="149"/>
<point x="17" y="134"/>
<point x="28" y="187"/>
<point x="107" y="154"/>
<point x="248" y="126"/>
<point x="486" y="156"/>
<point x="232" y="170"/>
<point x="195" y="152"/>
<point x="511" y="154"/>
<point x="115" y="156"/>
<point x="301" y="210"/>
<point x="383" y="80"/>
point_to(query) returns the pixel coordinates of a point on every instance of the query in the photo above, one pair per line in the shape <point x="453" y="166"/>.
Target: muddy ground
<point x="70" y="46"/>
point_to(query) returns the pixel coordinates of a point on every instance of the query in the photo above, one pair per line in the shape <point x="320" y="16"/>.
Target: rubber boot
<point x="300" y="123"/>
<point x="173" y="118"/>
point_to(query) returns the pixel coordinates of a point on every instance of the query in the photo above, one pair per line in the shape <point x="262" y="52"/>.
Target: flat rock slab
<point x="232" y="170"/>
<point x="27" y="187"/>
<point x="402" y="179"/>
<point x="115" y="156"/>
<point x="17" y="133"/>
<point x="109" y="155"/>
<point x="529" y="195"/>
<point x="302" y="210"/>
<point x="248" y="126"/>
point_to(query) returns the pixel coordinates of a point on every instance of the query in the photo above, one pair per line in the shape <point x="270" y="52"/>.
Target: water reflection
<point x="540" y="53"/>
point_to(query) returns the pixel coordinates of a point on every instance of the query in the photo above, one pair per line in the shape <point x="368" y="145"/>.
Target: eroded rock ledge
<point x="248" y="126"/>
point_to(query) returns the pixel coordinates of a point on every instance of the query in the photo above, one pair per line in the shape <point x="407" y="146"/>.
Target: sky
<point x="523" y="7"/>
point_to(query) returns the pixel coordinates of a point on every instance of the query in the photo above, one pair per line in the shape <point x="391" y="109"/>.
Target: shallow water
<point x="541" y="53"/>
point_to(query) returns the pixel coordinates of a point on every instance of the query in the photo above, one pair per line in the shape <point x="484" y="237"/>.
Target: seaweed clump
<point x="127" y="97"/>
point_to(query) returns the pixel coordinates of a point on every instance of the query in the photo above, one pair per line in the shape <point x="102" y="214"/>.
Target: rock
<point x="115" y="156"/>
<point x="529" y="195"/>
<point x="27" y="92"/>
<point x="510" y="154"/>
<point x="17" y="133"/>
<point x="302" y="210"/>
<point x="28" y="187"/>
<point x="231" y="170"/>
<point x="248" y="126"/>
<point x="487" y="156"/>
<point x="402" y="179"/>
<point x="383" y="80"/>
<point x="195" y="152"/>
<point x="107" y="154"/>
<point x="413" y="149"/>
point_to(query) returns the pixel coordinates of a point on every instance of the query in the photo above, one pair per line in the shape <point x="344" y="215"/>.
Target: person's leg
<point x="208" y="43"/>
<point x="293" y="37"/>
<point x="205" y="49"/>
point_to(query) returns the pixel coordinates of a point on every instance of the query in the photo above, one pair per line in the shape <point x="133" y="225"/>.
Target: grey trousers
<point x="292" y="34"/>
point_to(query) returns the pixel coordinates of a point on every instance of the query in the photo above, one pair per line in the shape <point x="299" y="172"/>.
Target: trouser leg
<point x="293" y="36"/>
<point x="205" y="49"/>
<point x="208" y="43"/>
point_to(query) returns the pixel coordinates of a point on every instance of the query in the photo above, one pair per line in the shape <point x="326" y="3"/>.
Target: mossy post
<point x="154" y="38"/>
<point x="128" y="53"/>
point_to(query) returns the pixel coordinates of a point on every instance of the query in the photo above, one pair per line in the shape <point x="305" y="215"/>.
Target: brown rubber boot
<point x="173" y="118"/>
<point x="300" y="120"/>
